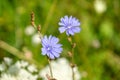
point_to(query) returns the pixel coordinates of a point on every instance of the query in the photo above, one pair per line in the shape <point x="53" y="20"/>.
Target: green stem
<point x="73" y="77"/>
<point x="50" y="68"/>
<point x="72" y="57"/>
<point x="73" y="74"/>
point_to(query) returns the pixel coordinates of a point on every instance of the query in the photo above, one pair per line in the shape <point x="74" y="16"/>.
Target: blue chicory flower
<point x="70" y="25"/>
<point x="51" y="48"/>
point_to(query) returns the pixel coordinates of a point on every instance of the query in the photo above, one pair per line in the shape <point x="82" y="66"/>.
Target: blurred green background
<point x="97" y="54"/>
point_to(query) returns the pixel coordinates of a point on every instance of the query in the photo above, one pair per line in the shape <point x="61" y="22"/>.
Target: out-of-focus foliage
<point x="97" y="54"/>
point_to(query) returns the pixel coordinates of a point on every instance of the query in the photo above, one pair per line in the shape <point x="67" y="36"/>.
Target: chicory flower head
<point x="70" y="25"/>
<point x="51" y="48"/>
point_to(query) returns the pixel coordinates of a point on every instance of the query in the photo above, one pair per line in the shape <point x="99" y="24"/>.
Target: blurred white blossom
<point x="29" y="30"/>
<point x="8" y="61"/>
<point x="100" y="6"/>
<point x="22" y="75"/>
<point x="61" y="70"/>
<point x="2" y="66"/>
<point x="20" y="70"/>
<point x="36" y="39"/>
<point x="21" y="64"/>
<point x="26" y="75"/>
<point x="7" y="77"/>
<point x="32" y="68"/>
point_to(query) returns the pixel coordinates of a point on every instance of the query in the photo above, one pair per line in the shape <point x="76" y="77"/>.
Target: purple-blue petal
<point x="76" y="29"/>
<point x="51" y="48"/>
<point x="62" y="29"/>
<point x="44" y="51"/>
<point x="57" y="50"/>
<point x="55" y="54"/>
<point x="69" y="24"/>
<point x="67" y="32"/>
<point x="49" y="39"/>
<point x="57" y="45"/>
<point x="61" y="24"/>
<point x="44" y="40"/>
<point x="54" y="40"/>
<point x="50" y="55"/>
<point x="71" y="32"/>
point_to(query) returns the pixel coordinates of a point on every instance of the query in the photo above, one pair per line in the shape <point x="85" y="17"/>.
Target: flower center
<point x="49" y="48"/>
<point x="69" y="27"/>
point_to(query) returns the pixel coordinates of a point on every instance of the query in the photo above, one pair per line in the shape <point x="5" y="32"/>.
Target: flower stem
<point x="73" y="74"/>
<point x="72" y="65"/>
<point x="50" y="68"/>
